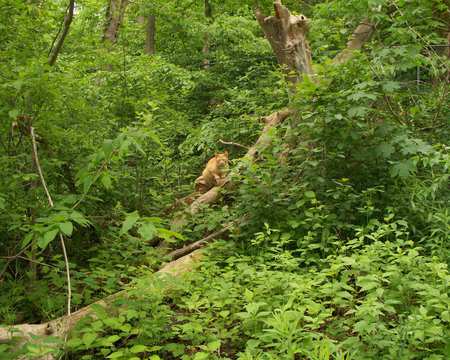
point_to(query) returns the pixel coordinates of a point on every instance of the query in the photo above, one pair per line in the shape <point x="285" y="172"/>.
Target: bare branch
<point x="233" y="143"/>
<point x="50" y="201"/>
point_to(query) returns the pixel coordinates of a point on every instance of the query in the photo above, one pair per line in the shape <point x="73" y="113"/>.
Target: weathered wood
<point x="150" y="35"/>
<point x="359" y="37"/>
<point x="286" y="34"/>
<point x="62" y="326"/>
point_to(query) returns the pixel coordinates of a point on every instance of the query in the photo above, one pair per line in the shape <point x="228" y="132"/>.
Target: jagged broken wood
<point x="286" y="34"/>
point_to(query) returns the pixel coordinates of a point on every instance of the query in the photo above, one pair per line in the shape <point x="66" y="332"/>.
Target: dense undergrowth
<point x="344" y="250"/>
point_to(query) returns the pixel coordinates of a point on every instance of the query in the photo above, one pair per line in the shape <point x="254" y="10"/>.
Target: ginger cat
<point x="213" y="174"/>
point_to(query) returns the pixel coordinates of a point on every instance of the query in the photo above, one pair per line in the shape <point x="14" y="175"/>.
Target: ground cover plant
<point x="325" y="236"/>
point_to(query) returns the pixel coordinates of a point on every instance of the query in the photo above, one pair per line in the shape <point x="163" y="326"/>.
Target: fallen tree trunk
<point x="359" y="37"/>
<point x="62" y="326"/>
<point x="261" y="144"/>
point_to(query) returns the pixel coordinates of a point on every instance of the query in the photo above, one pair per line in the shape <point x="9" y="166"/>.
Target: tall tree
<point x="209" y="18"/>
<point x="150" y="35"/>
<point x="114" y="17"/>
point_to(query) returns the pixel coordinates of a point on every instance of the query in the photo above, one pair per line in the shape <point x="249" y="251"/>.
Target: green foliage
<point x="342" y="250"/>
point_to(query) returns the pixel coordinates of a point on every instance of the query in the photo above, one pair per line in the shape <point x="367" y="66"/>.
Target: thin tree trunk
<point x="206" y="41"/>
<point x="61" y="36"/>
<point x="114" y="18"/>
<point x="150" y="34"/>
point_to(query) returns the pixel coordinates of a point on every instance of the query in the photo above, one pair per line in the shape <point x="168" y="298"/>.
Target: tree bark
<point x="150" y="35"/>
<point x="286" y="34"/>
<point x="114" y="18"/>
<point x="61" y="36"/>
<point x="209" y="19"/>
<point x="360" y="36"/>
<point x="62" y="326"/>
<point x="260" y="145"/>
<point x="287" y="29"/>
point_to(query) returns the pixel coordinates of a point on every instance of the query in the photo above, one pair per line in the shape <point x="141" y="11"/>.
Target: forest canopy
<point x="205" y="179"/>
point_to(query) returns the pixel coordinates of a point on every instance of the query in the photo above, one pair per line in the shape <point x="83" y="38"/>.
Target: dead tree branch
<point x="233" y="144"/>
<point x="360" y="36"/>
<point x="286" y="34"/>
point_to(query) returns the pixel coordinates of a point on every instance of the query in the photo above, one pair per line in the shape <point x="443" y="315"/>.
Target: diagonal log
<point x="62" y="326"/>
<point x="359" y="37"/>
<point x="260" y="145"/>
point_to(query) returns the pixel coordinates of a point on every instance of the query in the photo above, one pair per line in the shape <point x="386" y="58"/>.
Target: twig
<point x="233" y="143"/>
<point x="175" y="254"/>
<point x="27" y="259"/>
<point x="50" y="201"/>
<point x="11" y="258"/>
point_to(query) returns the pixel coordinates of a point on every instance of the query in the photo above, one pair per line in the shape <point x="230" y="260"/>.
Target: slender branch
<point x="11" y="259"/>
<point x="50" y="201"/>
<point x="54" y="52"/>
<point x="233" y="143"/>
<point x="27" y="259"/>
<point x="176" y="254"/>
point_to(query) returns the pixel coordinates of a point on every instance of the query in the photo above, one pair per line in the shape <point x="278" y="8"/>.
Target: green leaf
<point x="213" y="345"/>
<point x="310" y="194"/>
<point x="403" y="169"/>
<point x="66" y="228"/>
<point x="358" y="111"/>
<point x="47" y="238"/>
<point x="390" y="86"/>
<point x="201" y="356"/>
<point x="385" y="150"/>
<point x="106" y="180"/>
<point x="99" y="311"/>
<point x="138" y="349"/>
<point x="27" y="239"/>
<point x="108" y="147"/>
<point x="130" y="220"/>
<point x="13" y="113"/>
<point x="110" y="340"/>
<point x="89" y="338"/>
<point x="116" y="355"/>
<point x="147" y="231"/>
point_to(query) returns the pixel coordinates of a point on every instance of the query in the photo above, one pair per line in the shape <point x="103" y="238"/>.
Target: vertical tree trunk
<point x="61" y="36"/>
<point x="209" y="19"/>
<point x="150" y="34"/>
<point x="114" y="17"/>
<point x="286" y="34"/>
